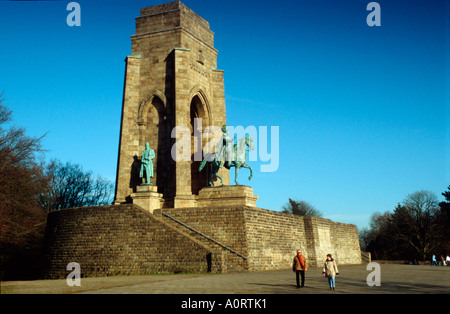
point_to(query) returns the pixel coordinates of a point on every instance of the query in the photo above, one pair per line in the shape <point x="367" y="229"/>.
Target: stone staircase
<point x="235" y="261"/>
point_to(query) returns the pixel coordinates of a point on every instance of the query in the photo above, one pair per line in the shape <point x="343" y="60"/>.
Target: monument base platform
<point x="147" y="197"/>
<point x="226" y="196"/>
<point x="181" y="201"/>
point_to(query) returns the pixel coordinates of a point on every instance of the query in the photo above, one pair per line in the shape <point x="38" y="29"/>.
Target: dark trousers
<point x="301" y="273"/>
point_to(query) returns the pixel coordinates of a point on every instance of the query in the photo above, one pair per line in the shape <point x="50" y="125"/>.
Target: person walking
<point x="330" y="271"/>
<point x="433" y="260"/>
<point x="299" y="266"/>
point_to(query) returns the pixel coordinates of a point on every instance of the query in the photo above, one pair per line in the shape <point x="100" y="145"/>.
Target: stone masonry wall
<point x="225" y="225"/>
<point x="121" y="240"/>
<point x="125" y="240"/>
<point x="270" y="239"/>
<point x="273" y="239"/>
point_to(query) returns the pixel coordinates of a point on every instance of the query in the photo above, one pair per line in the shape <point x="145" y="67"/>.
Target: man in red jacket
<point x="299" y="266"/>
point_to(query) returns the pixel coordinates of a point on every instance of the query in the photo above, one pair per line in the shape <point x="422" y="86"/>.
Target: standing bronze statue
<point x="147" y="164"/>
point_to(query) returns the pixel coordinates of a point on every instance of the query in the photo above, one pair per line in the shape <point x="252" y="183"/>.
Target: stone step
<point x="235" y="261"/>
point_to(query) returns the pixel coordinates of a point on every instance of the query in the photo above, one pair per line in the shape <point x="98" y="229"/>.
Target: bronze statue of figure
<point x="147" y="164"/>
<point x="225" y="148"/>
<point x="238" y="152"/>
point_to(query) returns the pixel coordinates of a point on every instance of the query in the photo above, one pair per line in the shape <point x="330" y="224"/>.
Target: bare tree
<point x="300" y="208"/>
<point x="444" y="222"/>
<point x="71" y="187"/>
<point x="22" y="219"/>
<point x="21" y="177"/>
<point x="414" y="224"/>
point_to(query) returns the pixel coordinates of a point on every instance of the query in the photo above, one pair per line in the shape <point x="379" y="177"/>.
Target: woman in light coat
<point x="330" y="271"/>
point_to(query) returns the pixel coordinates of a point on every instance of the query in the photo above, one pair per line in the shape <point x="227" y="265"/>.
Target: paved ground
<point x="396" y="279"/>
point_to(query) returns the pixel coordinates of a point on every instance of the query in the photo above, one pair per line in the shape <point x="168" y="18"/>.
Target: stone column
<point x="183" y="197"/>
<point x="129" y="134"/>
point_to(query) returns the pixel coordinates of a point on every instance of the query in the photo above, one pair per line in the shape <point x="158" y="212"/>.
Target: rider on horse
<point x="225" y="149"/>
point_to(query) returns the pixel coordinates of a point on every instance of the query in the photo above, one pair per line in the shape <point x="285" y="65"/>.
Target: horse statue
<point x="240" y="150"/>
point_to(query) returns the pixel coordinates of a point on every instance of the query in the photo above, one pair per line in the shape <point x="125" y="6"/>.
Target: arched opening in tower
<point x="198" y="123"/>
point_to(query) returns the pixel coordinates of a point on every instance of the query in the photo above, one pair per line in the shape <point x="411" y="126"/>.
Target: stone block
<point x="147" y="197"/>
<point x="226" y="196"/>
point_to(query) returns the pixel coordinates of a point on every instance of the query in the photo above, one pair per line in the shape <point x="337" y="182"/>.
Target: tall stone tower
<point x="171" y="78"/>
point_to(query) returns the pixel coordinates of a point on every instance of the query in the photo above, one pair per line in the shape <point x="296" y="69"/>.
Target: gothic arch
<point x="154" y="128"/>
<point x="199" y="108"/>
<point x="146" y="103"/>
<point x="203" y="106"/>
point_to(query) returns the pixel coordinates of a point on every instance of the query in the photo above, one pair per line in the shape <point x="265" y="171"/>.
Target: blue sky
<point x="363" y="112"/>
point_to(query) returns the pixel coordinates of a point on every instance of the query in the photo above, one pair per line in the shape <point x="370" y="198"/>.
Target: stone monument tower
<point x="171" y="79"/>
<point x="174" y="221"/>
